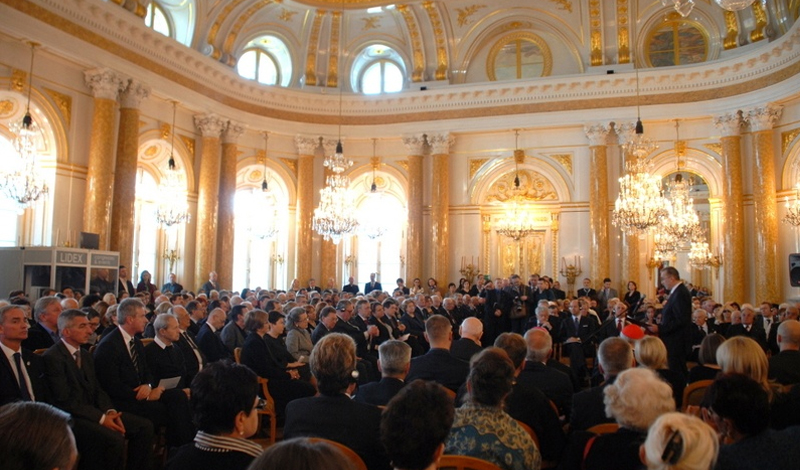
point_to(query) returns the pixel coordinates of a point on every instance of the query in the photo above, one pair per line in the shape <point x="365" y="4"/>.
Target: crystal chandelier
<point x="700" y="257"/>
<point x="684" y="7"/>
<point x="371" y="224"/>
<point x="682" y="222"/>
<point x="517" y="223"/>
<point x="734" y="5"/>
<point x="265" y="227"/>
<point x="172" y="210"/>
<point x="792" y="216"/>
<point x="20" y="180"/>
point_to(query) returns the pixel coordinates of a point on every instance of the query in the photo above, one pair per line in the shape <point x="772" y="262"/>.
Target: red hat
<point x="633" y="332"/>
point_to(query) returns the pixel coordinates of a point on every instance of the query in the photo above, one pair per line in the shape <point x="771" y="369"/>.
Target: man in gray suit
<point x="603" y="296"/>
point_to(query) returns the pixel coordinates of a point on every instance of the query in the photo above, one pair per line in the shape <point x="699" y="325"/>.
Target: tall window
<point x="147" y="231"/>
<point x="260" y="239"/>
<point x="266" y="60"/>
<point x="382" y="255"/>
<point x="9" y="212"/>
<point x="378" y="69"/>
<point x="156" y="18"/>
<point x="676" y="41"/>
<point x="518" y="56"/>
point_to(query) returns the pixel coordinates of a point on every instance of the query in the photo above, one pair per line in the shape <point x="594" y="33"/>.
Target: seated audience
<point x="327" y="320"/>
<point x="394" y="361"/>
<point x="415" y="425"/>
<point x="14" y="330"/>
<point x="555" y="384"/>
<point x="469" y="344"/>
<point x="277" y="349"/>
<point x="298" y="338"/>
<point x="679" y="442"/>
<point x="212" y="346"/>
<point x="438" y="364"/>
<point x="225" y="406"/>
<point x="784" y="368"/>
<point x="650" y="352"/>
<point x="333" y="415"/>
<point x="707" y="369"/>
<point x="233" y="333"/>
<point x="36" y="436"/>
<point x="742" y="355"/>
<point x="481" y="428"/>
<point x="302" y="454"/>
<point x="164" y="357"/>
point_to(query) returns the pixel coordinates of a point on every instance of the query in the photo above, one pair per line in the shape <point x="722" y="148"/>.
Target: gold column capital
<point x="232" y="131"/>
<point x="415" y="144"/>
<point x="440" y="143"/>
<point x="597" y="133"/>
<point x="209" y="125"/>
<point x="105" y="83"/>
<point x="730" y="124"/>
<point x="764" y="117"/>
<point x="133" y="94"/>
<point x="306" y="145"/>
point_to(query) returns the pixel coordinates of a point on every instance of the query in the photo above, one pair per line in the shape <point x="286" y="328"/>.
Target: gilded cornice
<point x="441" y="41"/>
<point x="125" y="37"/>
<point x="333" y="49"/>
<point x="313" y="47"/>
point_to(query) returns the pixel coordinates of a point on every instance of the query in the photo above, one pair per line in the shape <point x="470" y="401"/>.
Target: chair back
<point x="694" y="392"/>
<point x="462" y="462"/>
<point x="349" y="453"/>
<point x="269" y="410"/>
<point x="146" y="341"/>
<point x="530" y="432"/>
<point x="605" y="428"/>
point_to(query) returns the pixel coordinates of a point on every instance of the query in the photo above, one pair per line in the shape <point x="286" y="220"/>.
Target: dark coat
<point x="211" y="345"/>
<point x="9" y="387"/>
<point x="38" y="338"/>
<point x="440" y="366"/>
<point x="555" y="384"/>
<point x="675" y="329"/>
<point x="379" y="393"/>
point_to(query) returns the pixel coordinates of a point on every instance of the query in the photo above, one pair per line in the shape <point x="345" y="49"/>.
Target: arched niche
<point x="387" y="178"/>
<point x="154" y="152"/>
<point x="493" y="174"/>
<point x="696" y="161"/>
<point x="250" y="174"/>
<point x="790" y="172"/>
<point x="53" y="143"/>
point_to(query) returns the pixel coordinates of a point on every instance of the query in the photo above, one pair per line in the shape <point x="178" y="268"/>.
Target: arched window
<point x="9" y="210"/>
<point x="157" y="19"/>
<point x="517" y="56"/>
<point x="146" y="230"/>
<point x="266" y="60"/>
<point x="676" y="41"/>
<point x="378" y="69"/>
<point x="382" y="255"/>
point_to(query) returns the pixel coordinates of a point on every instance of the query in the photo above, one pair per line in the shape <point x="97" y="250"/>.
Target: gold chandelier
<point x="173" y="209"/>
<point x="20" y="180"/>
<point x="700" y="256"/>
<point x="517" y="222"/>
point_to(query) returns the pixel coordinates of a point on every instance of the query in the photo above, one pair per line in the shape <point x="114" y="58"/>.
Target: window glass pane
<point x="8" y="209"/>
<point x="531" y="60"/>
<point x="247" y="65"/>
<point x="371" y="83"/>
<point x="267" y="73"/>
<point x="393" y="78"/>
<point x="505" y="66"/>
<point x="147" y="229"/>
<point x="677" y="42"/>
<point x="160" y="23"/>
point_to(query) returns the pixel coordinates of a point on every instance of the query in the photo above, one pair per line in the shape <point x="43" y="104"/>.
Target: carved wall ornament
<point x="286" y="15"/>
<point x="533" y="187"/>
<point x="189" y="143"/>
<point x="786" y="139"/>
<point x="371" y="22"/>
<point x="475" y="165"/>
<point x="165" y="130"/>
<point x="291" y="164"/>
<point x="18" y="80"/>
<point x="7" y="107"/>
<point x="563" y="5"/>
<point x="714" y="147"/>
<point x="403" y="164"/>
<point x="565" y="159"/>
<point x="465" y="14"/>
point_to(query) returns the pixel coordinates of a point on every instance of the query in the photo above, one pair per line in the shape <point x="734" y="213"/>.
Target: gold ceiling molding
<point x="237" y="27"/>
<point x="403" y="164"/>
<point x="63" y="103"/>
<point x="7" y="108"/>
<point x="418" y="54"/>
<point x="291" y="164"/>
<point x="371" y="22"/>
<point x="347" y="4"/>
<point x="731" y="30"/>
<point x="18" y="80"/>
<point x="313" y="47"/>
<point x="714" y="147"/>
<point x="760" y="15"/>
<point x="465" y="14"/>
<point x="623" y="33"/>
<point x="333" y="50"/>
<point x="596" y="31"/>
<point x="475" y="165"/>
<point x="441" y="40"/>
<point x="564" y="159"/>
<point x="533" y="187"/>
<point x="214" y="31"/>
<point x="189" y="143"/>
<point x="165" y="130"/>
<point x="286" y="15"/>
<point x="787" y="138"/>
<point x="563" y="5"/>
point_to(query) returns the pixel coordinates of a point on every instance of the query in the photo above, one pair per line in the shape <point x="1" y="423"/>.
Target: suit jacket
<point x="588" y="408"/>
<point x="256" y="355"/>
<point x="126" y="286"/>
<point x="165" y="363"/>
<point x="609" y="329"/>
<point x="319" y="331"/>
<point x="232" y="336"/>
<point x="340" y="419"/>
<point x="464" y="349"/>
<point x="784" y="367"/>
<point x="74" y="390"/>
<point x="211" y="345"/>
<point x="756" y="333"/>
<point x="587" y="292"/>
<point x="209" y="286"/>
<point x="9" y="387"/>
<point x="379" y="393"/>
<point x="440" y="366"/>
<point x="358" y="322"/>
<point x="194" y="328"/>
<point x="528" y="404"/>
<point x="352" y="331"/>
<point x="172" y="287"/>
<point x="558" y="293"/>
<point x="586" y="327"/>
<point x="554" y="384"/>
<point x="772" y="338"/>
<point x="190" y="361"/>
<point x="351" y="288"/>
<point x="38" y="338"/>
<point x="603" y="297"/>
<point x="115" y="370"/>
<point x="369" y="287"/>
<point x="675" y="329"/>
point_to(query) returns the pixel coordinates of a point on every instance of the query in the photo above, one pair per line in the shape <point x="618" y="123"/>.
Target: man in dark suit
<point x="361" y="321"/>
<point x="125" y="284"/>
<point x="122" y="371"/>
<point x="312" y="286"/>
<point x="494" y="322"/>
<point x="44" y="333"/>
<point x="675" y="329"/>
<point x="100" y="430"/>
<point x="372" y="284"/>
<point x="614" y="356"/>
<point x="557" y="292"/>
<point x="586" y="290"/>
<point x="209" y="341"/>
<point x="784" y="367"/>
<point x="514" y="303"/>
<point x="193" y="358"/>
<point x="613" y="327"/>
<point x="394" y="360"/>
<point x="749" y="327"/>
<point x="554" y="384"/>
<point x="211" y="284"/>
<point x="368" y="362"/>
<point x="401" y="286"/>
<point x="327" y="320"/>
<point x="576" y="332"/>
<point x="471" y="331"/>
<point x="172" y="286"/>
<point x="197" y="313"/>
<point x="22" y="373"/>
<point x="438" y="364"/>
<point x="700" y="329"/>
<point x="164" y="357"/>
<point x="351" y="286"/>
<point x="332" y="414"/>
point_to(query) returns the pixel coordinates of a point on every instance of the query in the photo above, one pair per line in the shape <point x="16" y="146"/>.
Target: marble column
<point x="106" y="85"/>
<point x="598" y="202"/>
<point x="630" y="243"/>
<point x="225" y="211"/>
<point x="123" y="209"/>
<point x="733" y="262"/>
<point x="306" y="147"/>
<point x="440" y="205"/>
<point x="210" y="127"/>
<point x="761" y="120"/>
<point x="327" y="248"/>
<point x="415" y="145"/>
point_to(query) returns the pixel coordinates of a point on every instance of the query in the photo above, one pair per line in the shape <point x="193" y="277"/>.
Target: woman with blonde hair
<point x="677" y="441"/>
<point x="650" y="352"/>
<point x="742" y="355"/>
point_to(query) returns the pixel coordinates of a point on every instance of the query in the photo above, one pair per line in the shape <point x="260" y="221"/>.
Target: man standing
<point x="372" y="284"/>
<point x="211" y="284"/>
<point x="675" y="329"/>
<point x="312" y="286"/>
<point x="125" y="284"/>
<point x="401" y="286"/>
<point x="514" y="301"/>
<point x="21" y="371"/>
<point x="586" y="290"/>
<point x="606" y="293"/>
<point x="351" y="286"/>
<point x="44" y="333"/>
<point x="100" y="430"/>
<point x="172" y="286"/>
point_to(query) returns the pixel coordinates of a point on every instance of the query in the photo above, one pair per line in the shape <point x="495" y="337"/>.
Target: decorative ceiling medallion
<point x="151" y="151"/>
<point x="255" y="176"/>
<point x="7" y="107"/>
<point x="533" y="187"/>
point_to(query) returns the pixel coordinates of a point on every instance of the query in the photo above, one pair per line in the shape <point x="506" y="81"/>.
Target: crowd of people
<point x="515" y="373"/>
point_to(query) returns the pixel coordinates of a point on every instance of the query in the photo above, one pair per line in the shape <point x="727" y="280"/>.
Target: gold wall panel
<point x="534" y="187"/>
<point x="333" y="49"/>
<point x="418" y="54"/>
<point x="596" y="32"/>
<point x="731" y="31"/>
<point x="716" y="148"/>
<point x="441" y="40"/>
<point x="475" y="165"/>
<point x="313" y="47"/>
<point x="64" y="104"/>
<point x="623" y="33"/>
<point x="524" y="257"/>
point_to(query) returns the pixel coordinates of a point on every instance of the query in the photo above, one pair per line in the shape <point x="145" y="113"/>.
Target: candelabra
<point x="277" y="259"/>
<point x="571" y="272"/>
<point x="470" y="270"/>
<point x="172" y="256"/>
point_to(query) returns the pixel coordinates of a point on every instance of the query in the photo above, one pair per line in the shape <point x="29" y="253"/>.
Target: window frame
<point x="382" y="62"/>
<point x="676" y="21"/>
<point x="150" y="14"/>
<point x="547" y="55"/>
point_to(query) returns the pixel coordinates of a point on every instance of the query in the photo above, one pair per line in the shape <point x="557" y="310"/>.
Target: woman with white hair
<point x="635" y="400"/>
<point x="677" y="441"/>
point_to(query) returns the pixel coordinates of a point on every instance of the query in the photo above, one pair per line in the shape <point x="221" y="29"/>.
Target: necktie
<point x="577" y="325"/>
<point x="619" y="325"/>
<point x="23" y="386"/>
<point x="77" y="358"/>
<point x="134" y="354"/>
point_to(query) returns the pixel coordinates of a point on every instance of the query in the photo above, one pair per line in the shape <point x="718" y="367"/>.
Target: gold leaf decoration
<point x="189" y="143"/>
<point x="255" y="175"/>
<point x="151" y="151"/>
<point x="464" y="14"/>
<point x="475" y="165"/>
<point x="165" y="130"/>
<point x="286" y="15"/>
<point x="565" y="159"/>
<point x="787" y="138"/>
<point x="533" y="187"/>
<point x="63" y="103"/>
<point x="371" y="22"/>
<point x="292" y="164"/>
<point x="563" y="5"/>
<point x="18" y="80"/>
<point x="715" y="147"/>
<point x="403" y="164"/>
<point x="7" y="108"/>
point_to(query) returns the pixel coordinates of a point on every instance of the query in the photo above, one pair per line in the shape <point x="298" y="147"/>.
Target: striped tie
<point x="134" y="354"/>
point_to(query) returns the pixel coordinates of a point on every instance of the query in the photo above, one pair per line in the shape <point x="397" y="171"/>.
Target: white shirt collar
<point x="9" y="352"/>
<point x="158" y="341"/>
<point x="69" y="347"/>
<point x="125" y="336"/>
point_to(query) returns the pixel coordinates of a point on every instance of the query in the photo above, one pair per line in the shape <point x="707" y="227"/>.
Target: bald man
<point x="208" y="339"/>
<point x="471" y="331"/>
<point x="784" y="367"/>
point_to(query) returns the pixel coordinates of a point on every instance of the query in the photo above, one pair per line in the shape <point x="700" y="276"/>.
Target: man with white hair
<point x="394" y="362"/>
<point x="69" y="304"/>
<point x="784" y="367"/>
<point x="208" y="340"/>
<point x="471" y="331"/>
<point x="749" y="327"/>
<point x="555" y="384"/>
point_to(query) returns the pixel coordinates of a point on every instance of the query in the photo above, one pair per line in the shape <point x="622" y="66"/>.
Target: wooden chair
<point x="693" y="394"/>
<point x="450" y="394"/>
<point x="349" y="453"/>
<point x="605" y="428"/>
<point x="268" y="411"/>
<point x="530" y="432"/>
<point x="237" y="355"/>
<point x="146" y="341"/>
<point x="39" y="352"/>
<point x="462" y="462"/>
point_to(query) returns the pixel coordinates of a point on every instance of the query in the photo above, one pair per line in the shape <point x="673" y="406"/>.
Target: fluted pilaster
<point x="105" y="85"/>
<point x="761" y="121"/>
<point x="733" y="263"/>
<point x="225" y="211"/>
<point x="123" y="210"/>
<point x="415" y="146"/>
<point x="440" y="203"/>
<point x="328" y="248"/>
<point x="630" y="243"/>
<point x="210" y="127"/>
<point x="306" y="147"/>
<point x="598" y="201"/>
